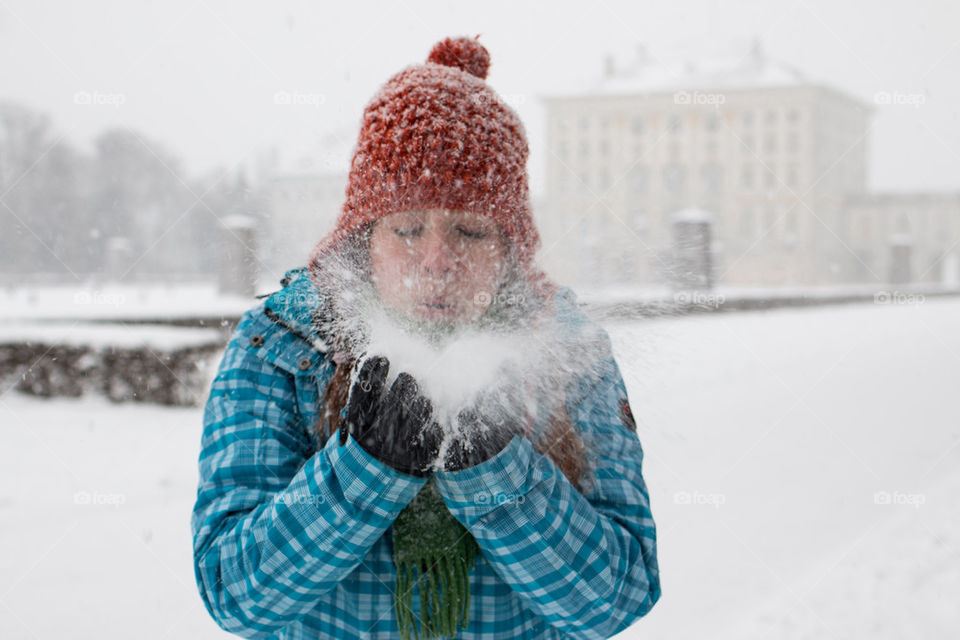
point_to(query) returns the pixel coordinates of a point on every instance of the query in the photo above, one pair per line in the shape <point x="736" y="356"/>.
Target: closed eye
<point x="472" y="234"/>
<point x="407" y="232"/>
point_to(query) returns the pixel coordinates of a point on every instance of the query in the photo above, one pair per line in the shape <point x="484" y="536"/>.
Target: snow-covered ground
<point x="126" y="301"/>
<point x="94" y="520"/>
<point x="804" y="468"/>
<point x="803" y="465"/>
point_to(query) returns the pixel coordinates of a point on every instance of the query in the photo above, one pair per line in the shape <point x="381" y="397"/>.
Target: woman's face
<point x="437" y="265"/>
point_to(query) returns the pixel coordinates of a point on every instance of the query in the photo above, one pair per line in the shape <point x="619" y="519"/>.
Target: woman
<point x="350" y="487"/>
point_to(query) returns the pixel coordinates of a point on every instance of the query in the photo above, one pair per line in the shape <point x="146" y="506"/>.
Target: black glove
<point x="486" y="428"/>
<point x="393" y="427"/>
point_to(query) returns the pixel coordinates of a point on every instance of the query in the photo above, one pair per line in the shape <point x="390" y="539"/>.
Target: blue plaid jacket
<point x="292" y="536"/>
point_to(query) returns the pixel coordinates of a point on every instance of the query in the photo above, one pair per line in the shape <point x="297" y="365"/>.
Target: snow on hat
<point x="436" y="136"/>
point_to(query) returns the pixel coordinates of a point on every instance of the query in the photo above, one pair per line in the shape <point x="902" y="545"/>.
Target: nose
<point x="437" y="257"/>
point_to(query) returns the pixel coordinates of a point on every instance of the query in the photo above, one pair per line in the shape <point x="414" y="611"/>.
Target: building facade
<point x="778" y="159"/>
<point x="303" y="209"/>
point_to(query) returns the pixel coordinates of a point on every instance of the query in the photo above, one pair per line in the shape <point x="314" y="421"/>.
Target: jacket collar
<point x="293" y="305"/>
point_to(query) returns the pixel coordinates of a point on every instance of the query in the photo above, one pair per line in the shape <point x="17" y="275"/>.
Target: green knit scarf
<point x="433" y="551"/>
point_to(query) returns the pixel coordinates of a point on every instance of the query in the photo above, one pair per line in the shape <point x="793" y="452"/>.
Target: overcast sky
<point x="201" y="76"/>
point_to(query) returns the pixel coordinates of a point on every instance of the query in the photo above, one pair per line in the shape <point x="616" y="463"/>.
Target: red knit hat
<point x="436" y="136"/>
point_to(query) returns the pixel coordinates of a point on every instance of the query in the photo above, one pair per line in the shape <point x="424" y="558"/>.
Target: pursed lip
<point x="437" y="306"/>
<point x="437" y="303"/>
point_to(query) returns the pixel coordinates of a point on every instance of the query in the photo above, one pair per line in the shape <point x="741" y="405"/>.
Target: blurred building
<point x="778" y="159"/>
<point x="303" y="208"/>
<point x="903" y="237"/>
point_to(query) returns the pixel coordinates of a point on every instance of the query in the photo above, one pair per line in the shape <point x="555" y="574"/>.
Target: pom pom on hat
<point x="463" y="53"/>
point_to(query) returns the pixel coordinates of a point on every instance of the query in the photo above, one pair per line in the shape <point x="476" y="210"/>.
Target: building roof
<point x="747" y="69"/>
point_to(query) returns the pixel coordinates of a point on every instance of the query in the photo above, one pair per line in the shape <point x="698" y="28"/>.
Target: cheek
<point x="487" y="262"/>
<point x="387" y="267"/>
<point x="388" y="255"/>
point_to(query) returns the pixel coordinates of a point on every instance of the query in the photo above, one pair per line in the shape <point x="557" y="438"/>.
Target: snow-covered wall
<point x="140" y="363"/>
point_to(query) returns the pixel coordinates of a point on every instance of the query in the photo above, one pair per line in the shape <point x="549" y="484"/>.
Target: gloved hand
<point x="485" y="428"/>
<point x="393" y="427"/>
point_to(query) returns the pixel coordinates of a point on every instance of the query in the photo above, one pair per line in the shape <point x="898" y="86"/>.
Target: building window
<point x="770" y="178"/>
<point x="747" y="118"/>
<point x="793" y="142"/>
<point x="673" y="124"/>
<point x="771" y="116"/>
<point x="747" y="142"/>
<point x="711" y="122"/>
<point x="604" y="148"/>
<point x="563" y="150"/>
<point x="584" y="150"/>
<point x="674" y="152"/>
<point x="793" y="116"/>
<point x="792" y="178"/>
<point x="711" y="178"/>
<point x="746" y="176"/>
<point x="637" y="126"/>
<point x="584" y="178"/>
<point x="584" y="123"/>
<point x="639" y="179"/>
<point x="770" y="143"/>
<point x="674" y="179"/>
<point x="771" y="225"/>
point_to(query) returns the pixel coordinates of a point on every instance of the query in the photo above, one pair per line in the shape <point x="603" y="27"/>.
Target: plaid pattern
<point x="292" y="536"/>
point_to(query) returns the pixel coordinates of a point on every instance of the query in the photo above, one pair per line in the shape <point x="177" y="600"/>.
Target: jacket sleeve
<point x="587" y="563"/>
<point x="277" y="524"/>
